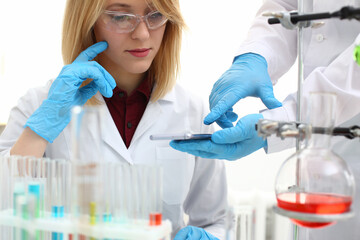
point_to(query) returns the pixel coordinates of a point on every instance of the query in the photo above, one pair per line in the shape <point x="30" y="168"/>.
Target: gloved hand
<point x="230" y="143"/>
<point x="248" y="76"/>
<point x="194" y="233"/>
<point x="54" y="114"/>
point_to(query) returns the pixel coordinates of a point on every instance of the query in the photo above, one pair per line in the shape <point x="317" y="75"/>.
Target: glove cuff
<point x="250" y="57"/>
<point x="38" y="132"/>
<point x="49" y="120"/>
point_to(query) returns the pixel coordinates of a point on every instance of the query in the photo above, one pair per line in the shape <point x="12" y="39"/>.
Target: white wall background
<point x="30" y="54"/>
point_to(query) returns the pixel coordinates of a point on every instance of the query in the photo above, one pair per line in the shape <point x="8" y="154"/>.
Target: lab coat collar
<point x="111" y="135"/>
<point x="169" y="97"/>
<point x="152" y="113"/>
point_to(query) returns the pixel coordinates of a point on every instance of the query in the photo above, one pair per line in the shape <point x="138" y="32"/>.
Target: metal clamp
<point x="291" y="20"/>
<point x="266" y="128"/>
<point x="286" y="19"/>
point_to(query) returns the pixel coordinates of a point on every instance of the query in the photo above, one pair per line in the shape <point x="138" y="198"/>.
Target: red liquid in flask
<point x="155" y="219"/>
<point x="314" y="203"/>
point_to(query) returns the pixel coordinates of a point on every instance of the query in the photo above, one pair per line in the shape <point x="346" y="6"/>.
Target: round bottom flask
<point x="314" y="187"/>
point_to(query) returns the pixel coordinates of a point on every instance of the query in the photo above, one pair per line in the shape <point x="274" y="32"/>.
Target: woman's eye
<point x="156" y="15"/>
<point x="121" y="18"/>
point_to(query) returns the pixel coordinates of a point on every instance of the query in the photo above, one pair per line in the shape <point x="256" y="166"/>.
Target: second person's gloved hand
<point x="248" y="76"/>
<point x="54" y="114"/>
<point x="194" y="233"/>
<point x="230" y="143"/>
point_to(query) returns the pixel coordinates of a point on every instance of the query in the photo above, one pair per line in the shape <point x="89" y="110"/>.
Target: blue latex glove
<point x="194" y="233"/>
<point x="230" y="143"/>
<point x="248" y="76"/>
<point x="54" y="114"/>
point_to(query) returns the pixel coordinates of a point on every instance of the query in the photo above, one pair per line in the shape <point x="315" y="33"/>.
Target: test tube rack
<point x="56" y="199"/>
<point x="68" y="229"/>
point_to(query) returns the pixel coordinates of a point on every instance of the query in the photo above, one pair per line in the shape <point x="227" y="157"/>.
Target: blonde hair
<point x="80" y="17"/>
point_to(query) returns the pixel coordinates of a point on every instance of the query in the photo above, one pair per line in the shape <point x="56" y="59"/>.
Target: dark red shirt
<point x="127" y="111"/>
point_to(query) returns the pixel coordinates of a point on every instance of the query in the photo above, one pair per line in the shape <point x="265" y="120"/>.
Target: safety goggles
<point x="120" y="22"/>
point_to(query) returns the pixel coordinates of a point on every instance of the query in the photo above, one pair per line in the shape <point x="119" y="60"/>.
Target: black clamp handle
<point x="344" y="13"/>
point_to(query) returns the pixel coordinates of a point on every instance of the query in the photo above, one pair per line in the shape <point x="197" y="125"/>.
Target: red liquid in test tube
<point x="314" y="203"/>
<point x="155" y="219"/>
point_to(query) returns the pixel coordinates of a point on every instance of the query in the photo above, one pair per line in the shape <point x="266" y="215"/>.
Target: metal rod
<point x="299" y="97"/>
<point x="343" y="13"/>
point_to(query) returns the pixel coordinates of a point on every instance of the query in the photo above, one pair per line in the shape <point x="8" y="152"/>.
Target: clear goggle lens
<point x="126" y="22"/>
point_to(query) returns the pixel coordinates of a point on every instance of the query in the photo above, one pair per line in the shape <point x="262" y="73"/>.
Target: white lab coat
<point x="328" y="58"/>
<point x="328" y="66"/>
<point x="192" y="185"/>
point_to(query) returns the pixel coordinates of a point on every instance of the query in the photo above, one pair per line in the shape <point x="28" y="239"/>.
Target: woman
<point x="135" y="45"/>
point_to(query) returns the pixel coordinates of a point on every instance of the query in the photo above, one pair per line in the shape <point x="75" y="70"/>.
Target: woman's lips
<point x="139" y="52"/>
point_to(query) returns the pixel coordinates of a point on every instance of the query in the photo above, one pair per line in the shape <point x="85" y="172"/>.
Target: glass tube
<point x="109" y="191"/>
<point x="143" y="176"/>
<point x="133" y="194"/>
<point x="86" y="134"/>
<point x="155" y="216"/>
<point x="87" y="159"/>
<point x="122" y="198"/>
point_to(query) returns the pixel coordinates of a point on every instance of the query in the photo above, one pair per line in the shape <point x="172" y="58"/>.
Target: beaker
<point x="315" y="187"/>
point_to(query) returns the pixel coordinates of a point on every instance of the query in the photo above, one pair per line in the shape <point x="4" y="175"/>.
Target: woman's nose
<point x="141" y="31"/>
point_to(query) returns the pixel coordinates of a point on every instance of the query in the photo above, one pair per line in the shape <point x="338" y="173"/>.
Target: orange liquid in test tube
<point x="155" y="219"/>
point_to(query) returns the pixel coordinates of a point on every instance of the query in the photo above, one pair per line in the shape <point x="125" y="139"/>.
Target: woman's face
<point x="131" y="52"/>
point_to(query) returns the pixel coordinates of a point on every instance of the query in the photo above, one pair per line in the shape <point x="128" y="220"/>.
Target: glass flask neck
<point x="319" y="141"/>
<point x="321" y="115"/>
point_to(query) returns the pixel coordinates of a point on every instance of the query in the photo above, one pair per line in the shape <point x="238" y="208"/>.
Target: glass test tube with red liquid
<point x="155" y="214"/>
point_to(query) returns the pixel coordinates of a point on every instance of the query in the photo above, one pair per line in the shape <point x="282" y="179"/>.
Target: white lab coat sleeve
<point x="275" y="43"/>
<point x="340" y="77"/>
<point x="18" y="116"/>
<point x="286" y="113"/>
<point x="206" y="202"/>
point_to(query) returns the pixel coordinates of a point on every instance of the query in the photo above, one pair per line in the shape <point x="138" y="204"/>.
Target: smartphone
<point x="181" y="136"/>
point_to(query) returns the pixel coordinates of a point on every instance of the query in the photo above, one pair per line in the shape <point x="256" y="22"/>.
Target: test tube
<point x="93" y="213"/>
<point x="7" y="181"/>
<point x="134" y="196"/>
<point x="230" y="223"/>
<point x="84" y="136"/>
<point x="87" y="174"/>
<point x="66" y="184"/>
<point x="10" y="188"/>
<point x="36" y="165"/>
<point x="155" y="216"/>
<point x="121" y="204"/>
<point x="34" y="190"/>
<point x="22" y="212"/>
<point x="19" y="190"/>
<point x="58" y="186"/>
<point x="142" y="197"/>
<point x="48" y="187"/>
<point x="90" y="195"/>
<point x="109" y="192"/>
<point x="32" y="208"/>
